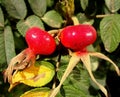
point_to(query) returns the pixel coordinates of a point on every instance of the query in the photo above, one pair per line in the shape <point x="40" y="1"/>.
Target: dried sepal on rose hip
<point x="77" y="38"/>
<point x="39" y="42"/>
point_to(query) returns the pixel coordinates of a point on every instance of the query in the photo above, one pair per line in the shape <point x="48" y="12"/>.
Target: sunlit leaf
<point x="36" y="75"/>
<point x="38" y="6"/>
<point x="37" y="92"/>
<point x="113" y="5"/>
<point x="53" y="19"/>
<point x="109" y="31"/>
<point x="15" y="8"/>
<point x="24" y="25"/>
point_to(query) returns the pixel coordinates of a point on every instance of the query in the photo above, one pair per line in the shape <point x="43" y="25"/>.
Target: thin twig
<point x="103" y="15"/>
<point x="57" y="67"/>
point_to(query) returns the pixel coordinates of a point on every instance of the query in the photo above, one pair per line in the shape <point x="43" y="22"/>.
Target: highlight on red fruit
<point x="78" y="37"/>
<point x="40" y="41"/>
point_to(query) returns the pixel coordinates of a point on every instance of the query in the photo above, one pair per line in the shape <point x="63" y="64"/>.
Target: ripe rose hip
<point x="39" y="41"/>
<point x="78" y="37"/>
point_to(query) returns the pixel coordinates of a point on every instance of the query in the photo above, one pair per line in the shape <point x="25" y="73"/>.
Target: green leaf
<point x="70" y="91"/>
<point x="76" y="77"/>
<point x="53" y="19"/>
<point x="31" y="21"/>
<point x="83" y="19"/>
<point x="7" y="48"/>
<point x="9" y="43"/>
<point x="1" y="18"/>
<point x="50" y="3"/>
<point x="15" y="8"/>
<point x="38" y="6"/>
<point x="2" y="48"/>
<point x="84" y="4"/>
<point x="109" y="31"/>
<point x="106" y="10"/>
<point x="77" y="83"/>
<point x="113" y="5"/>
<point x="19" y="39"/>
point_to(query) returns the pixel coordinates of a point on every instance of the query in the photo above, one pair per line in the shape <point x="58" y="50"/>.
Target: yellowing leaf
<point x="38" y="92"/>
<point x="36" y="75"/>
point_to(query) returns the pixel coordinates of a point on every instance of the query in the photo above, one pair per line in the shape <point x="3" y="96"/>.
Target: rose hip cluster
<point x="40" y="42"/>
<point x="76" y="37"/>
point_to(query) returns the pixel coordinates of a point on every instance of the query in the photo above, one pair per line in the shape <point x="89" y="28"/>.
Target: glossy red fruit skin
<point x="40" y="41"/>
<point x="78" y="37"/>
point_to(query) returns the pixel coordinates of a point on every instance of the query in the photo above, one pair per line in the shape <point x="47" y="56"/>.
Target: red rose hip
<point x="78" y="37"/>
<point x="40" y="42"/>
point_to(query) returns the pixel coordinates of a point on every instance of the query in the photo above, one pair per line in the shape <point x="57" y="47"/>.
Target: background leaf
<point x="50" y="3"/>
<point x="9" y="43"/>
<point x="1" y="18"/>
<point x="113" y="5"/>
<point x="31" y="21"/>
<point x="84" y="4"/>
<point x="83" y="19"/>
<point x="109" y="31"/>
<point x="15" y="8"/>
<point x="38" y="6"/>
<point x="53" y="19"/>
<point x="7" y="48"/>
<point x="2" y="49"/>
